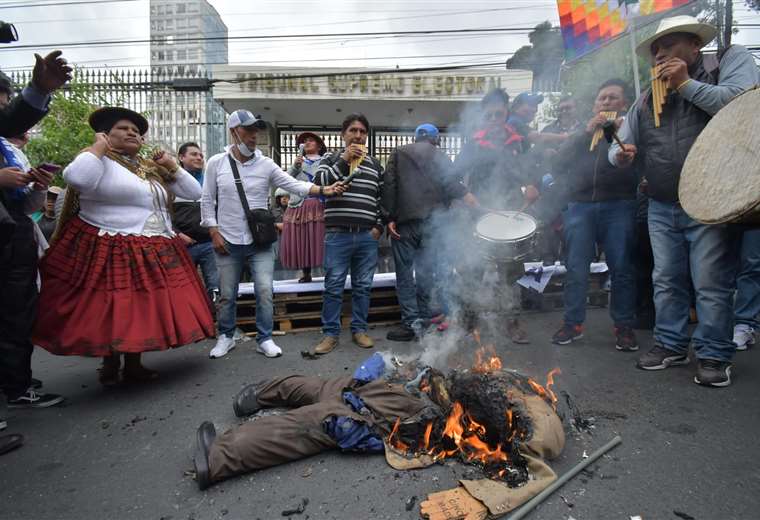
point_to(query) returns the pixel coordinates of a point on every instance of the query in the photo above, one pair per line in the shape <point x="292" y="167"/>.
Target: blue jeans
<point x="346" y="251"/>
<point x="414" y="271"/>
<point x="747" y="305"/>
<point x="260" y="261"/>
<point x="680" y="243"/>
<point x="612" y="225"/>
<point x="202" y="254"/>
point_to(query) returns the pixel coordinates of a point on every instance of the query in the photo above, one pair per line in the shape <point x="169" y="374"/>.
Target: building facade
<point x="317" y="99"/>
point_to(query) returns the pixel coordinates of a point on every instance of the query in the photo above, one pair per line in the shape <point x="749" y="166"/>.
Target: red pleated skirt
<point x="121" y="293"/>
<point x="303" y="235"/>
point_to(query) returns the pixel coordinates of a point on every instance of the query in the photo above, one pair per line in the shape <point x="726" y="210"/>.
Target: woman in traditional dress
<point x="117" y="280"/>
<point x="303" y="232"/>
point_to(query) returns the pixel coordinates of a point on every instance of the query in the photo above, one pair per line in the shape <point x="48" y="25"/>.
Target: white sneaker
<point x="744" y="336"/>
<point x="222" y="347"/>
<point x="269" y="348"/>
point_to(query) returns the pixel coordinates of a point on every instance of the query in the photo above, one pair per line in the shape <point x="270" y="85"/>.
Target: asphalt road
<point x="123" y="453"/>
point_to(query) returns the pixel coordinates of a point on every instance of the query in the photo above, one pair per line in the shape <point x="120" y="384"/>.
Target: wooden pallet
<point x="301" y="312"/>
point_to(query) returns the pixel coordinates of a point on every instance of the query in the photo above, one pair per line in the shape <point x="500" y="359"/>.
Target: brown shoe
<point x="516" y="333"/>
<point x="326" y="344"/>
<point x="363" y="340"/>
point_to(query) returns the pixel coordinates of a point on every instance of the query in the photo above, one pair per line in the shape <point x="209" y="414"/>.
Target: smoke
<point x="474" y="283"/>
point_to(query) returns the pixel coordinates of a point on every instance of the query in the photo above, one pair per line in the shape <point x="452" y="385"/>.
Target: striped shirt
<point x="360" y="204"/>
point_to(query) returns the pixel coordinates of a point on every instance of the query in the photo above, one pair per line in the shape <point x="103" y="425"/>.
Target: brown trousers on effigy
<point x="298" y="433"/>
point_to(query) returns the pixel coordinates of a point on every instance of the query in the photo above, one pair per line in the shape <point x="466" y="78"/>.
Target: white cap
<point x="244" y="118"/>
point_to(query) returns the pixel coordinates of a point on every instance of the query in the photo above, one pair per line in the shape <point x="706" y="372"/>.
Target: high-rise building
<point x="187" y="37"/>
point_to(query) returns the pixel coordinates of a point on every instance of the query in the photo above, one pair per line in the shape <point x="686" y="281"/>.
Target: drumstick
<point x="599" y="132"/>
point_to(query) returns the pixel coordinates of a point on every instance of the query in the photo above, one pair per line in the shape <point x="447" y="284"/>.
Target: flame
<point x="546" y="392"/>
<point x="550" y="383"/>
<point x="464" y="437"/>
<point x="486" y="360"/>
<point x="428" y="431"/>
<point x="397" y="443"/>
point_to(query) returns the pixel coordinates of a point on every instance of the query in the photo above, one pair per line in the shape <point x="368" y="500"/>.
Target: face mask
<point x="243" y="148"/>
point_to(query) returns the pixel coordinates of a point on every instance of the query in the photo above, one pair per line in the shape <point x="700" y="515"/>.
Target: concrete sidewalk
<point x="123" y="453"/>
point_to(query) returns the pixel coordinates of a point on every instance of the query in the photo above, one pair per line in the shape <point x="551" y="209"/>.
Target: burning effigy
<point x="499" y="421"/>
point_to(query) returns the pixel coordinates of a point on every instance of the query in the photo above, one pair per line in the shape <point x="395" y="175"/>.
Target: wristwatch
<point x="322" y="190"/>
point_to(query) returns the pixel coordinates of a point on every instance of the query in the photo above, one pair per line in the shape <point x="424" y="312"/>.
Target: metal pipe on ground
<point x="561" y="481"/>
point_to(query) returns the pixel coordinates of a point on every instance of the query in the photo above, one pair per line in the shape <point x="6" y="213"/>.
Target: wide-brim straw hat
<point x="677" y="24"/>
<point x="106" y="117"/>
<point x="302" y="137"/>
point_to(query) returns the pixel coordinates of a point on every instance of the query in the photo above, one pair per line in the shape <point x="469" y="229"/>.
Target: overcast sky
<point x="129" y="20"/>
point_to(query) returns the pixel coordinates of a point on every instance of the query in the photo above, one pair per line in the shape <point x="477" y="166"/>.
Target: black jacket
<point x="187" y="219"/>
<point x="494" y="172"/>
<point x="418" y="179"/>
<point x="588" y="176"/>
<point x="19" y="117"/>
<point x="664" y="149"/>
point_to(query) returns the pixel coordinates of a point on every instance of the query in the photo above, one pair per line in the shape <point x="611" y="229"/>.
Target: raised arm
<point x="185" y="185"/>
<point x="738" y="72"/>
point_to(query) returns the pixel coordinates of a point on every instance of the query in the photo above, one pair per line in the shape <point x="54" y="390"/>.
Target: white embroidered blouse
<point x="117" y="201"/>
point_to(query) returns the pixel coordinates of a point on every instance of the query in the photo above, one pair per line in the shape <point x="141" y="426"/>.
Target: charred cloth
<point x="477" y="421"/>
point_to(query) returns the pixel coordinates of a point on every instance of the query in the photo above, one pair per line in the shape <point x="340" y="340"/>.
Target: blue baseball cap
<point x="244" y="118"/>
<point x="426" y="130"/>
<point x="527" y="98"/>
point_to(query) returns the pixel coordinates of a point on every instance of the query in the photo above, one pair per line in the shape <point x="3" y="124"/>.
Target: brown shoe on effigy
<point x="326" y="344"/>
<point x="516" y="333"/>
<point x="363" y="340"/>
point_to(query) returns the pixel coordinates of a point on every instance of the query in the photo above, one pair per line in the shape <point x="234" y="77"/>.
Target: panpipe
<point x="659" y="93"/>
<point x="356" y="162"/>
<point x="611" y="116"/>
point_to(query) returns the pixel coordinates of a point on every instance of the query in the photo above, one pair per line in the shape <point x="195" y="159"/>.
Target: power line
<point x="274" y="37"/>
<point x="52" y="4"/>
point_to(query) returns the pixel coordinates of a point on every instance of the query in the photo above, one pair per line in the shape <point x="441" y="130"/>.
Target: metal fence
<point x="381" y="143"/>
<point x="174" y="117"/>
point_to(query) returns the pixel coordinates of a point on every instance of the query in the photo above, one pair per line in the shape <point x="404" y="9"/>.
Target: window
<point x="192" y="54"/>
<point x="180" y="8"/>
<point x="181" y="23"/>
<point x="170" y="24"/>
<point x="182" y="54"/>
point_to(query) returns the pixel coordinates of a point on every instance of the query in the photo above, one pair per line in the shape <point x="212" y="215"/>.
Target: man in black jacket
<point x="418" y="181"/>
<point x="187" y="221"/>
<point x="601" y="210"/>
<point x="18" y="251"/>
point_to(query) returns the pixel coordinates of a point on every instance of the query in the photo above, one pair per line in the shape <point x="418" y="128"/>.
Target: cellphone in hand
<point x="49" y="167"/>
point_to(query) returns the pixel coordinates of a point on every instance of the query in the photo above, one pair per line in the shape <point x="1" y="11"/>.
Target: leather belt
<point x="355" y="228"/>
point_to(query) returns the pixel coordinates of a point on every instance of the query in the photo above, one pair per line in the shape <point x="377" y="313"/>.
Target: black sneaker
<point x="711" y="372"/>
<point x="659" y="358"/>
<point x="401" y="333"/>
<point x="31" y="399"/>
<point x="625" y="339"/>
<point x="567" y="334"/>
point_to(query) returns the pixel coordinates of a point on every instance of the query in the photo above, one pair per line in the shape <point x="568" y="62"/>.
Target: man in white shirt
<point x="222" y="213"/>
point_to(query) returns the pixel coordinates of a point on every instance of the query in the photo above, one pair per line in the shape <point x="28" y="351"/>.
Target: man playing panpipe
<point x="601" y="209"/>
<point x="699" y="86"/>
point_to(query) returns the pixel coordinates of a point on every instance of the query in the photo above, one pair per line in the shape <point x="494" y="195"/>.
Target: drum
<point x="508" y="236"/>
<point x="720" y="180"/>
